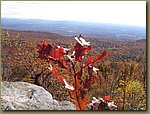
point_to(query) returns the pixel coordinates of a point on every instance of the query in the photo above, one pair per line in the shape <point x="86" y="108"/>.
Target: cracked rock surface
<point x="26" y="96"/>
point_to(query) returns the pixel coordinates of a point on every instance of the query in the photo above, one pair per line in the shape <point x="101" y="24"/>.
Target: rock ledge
<point x="26" y="96"/>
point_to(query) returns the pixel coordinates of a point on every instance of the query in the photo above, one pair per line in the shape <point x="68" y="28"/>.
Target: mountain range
<point x="72" y="28"/>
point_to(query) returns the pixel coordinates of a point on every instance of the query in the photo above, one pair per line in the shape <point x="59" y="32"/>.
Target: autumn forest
<point x="93" y="73"/>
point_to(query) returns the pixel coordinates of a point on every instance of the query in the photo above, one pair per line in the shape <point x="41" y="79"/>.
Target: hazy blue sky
<point x="120" y="12"/>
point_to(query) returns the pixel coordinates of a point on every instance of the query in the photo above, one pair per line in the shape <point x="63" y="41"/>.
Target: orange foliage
<point x="78" y="86"/>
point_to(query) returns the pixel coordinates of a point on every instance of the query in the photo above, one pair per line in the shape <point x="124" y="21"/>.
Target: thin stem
<point x="73" y="66"/>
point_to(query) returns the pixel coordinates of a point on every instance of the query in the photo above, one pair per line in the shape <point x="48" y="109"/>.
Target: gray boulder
<point x="67" y="105"/>
<point x="26" y="96"/>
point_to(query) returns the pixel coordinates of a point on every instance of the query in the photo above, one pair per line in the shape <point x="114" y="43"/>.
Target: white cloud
<point x="122" y="12"/>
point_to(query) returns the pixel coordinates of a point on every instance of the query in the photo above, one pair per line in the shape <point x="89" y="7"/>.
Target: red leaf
<point x="48" y="50"/>
<point x="57" y="53"/>
<point x="39" y="47"/>
<point x="101" y="57"/>
<point x="54" y="72"/>
<point x="80" y="51"/>
<point x="107" y="97"/>
<point x="53" y="54"/>
<point x="44" y="42"/>
<point x="44" y="49"/>
<point x="61" y="79"/>
<point x="90" y="60"/>
<point x="97" y="58"/>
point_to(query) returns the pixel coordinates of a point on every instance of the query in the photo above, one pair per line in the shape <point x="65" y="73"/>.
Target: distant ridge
<point x="141" y="40"/>
<point x="71" y="28"/>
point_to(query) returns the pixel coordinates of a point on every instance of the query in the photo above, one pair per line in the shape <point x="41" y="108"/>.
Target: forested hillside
<point x="121" y="75"/>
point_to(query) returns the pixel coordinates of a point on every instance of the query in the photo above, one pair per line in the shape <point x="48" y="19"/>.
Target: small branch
<point x="73" y="67"/>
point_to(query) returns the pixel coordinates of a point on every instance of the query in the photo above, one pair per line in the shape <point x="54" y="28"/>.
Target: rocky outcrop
<point x="26" y="96"/>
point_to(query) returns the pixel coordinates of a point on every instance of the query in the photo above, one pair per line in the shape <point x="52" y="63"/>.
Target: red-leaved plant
<point x="80" y="84"/>
<point x="102" y="104"/>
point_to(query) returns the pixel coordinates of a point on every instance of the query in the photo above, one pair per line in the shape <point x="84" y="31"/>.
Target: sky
<point x="117" y="12"/>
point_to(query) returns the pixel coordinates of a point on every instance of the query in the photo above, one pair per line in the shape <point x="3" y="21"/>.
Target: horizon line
<point x="76" y="21"/>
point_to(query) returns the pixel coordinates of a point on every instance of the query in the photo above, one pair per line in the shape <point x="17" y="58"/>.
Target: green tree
<point x="135" y="96"/>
